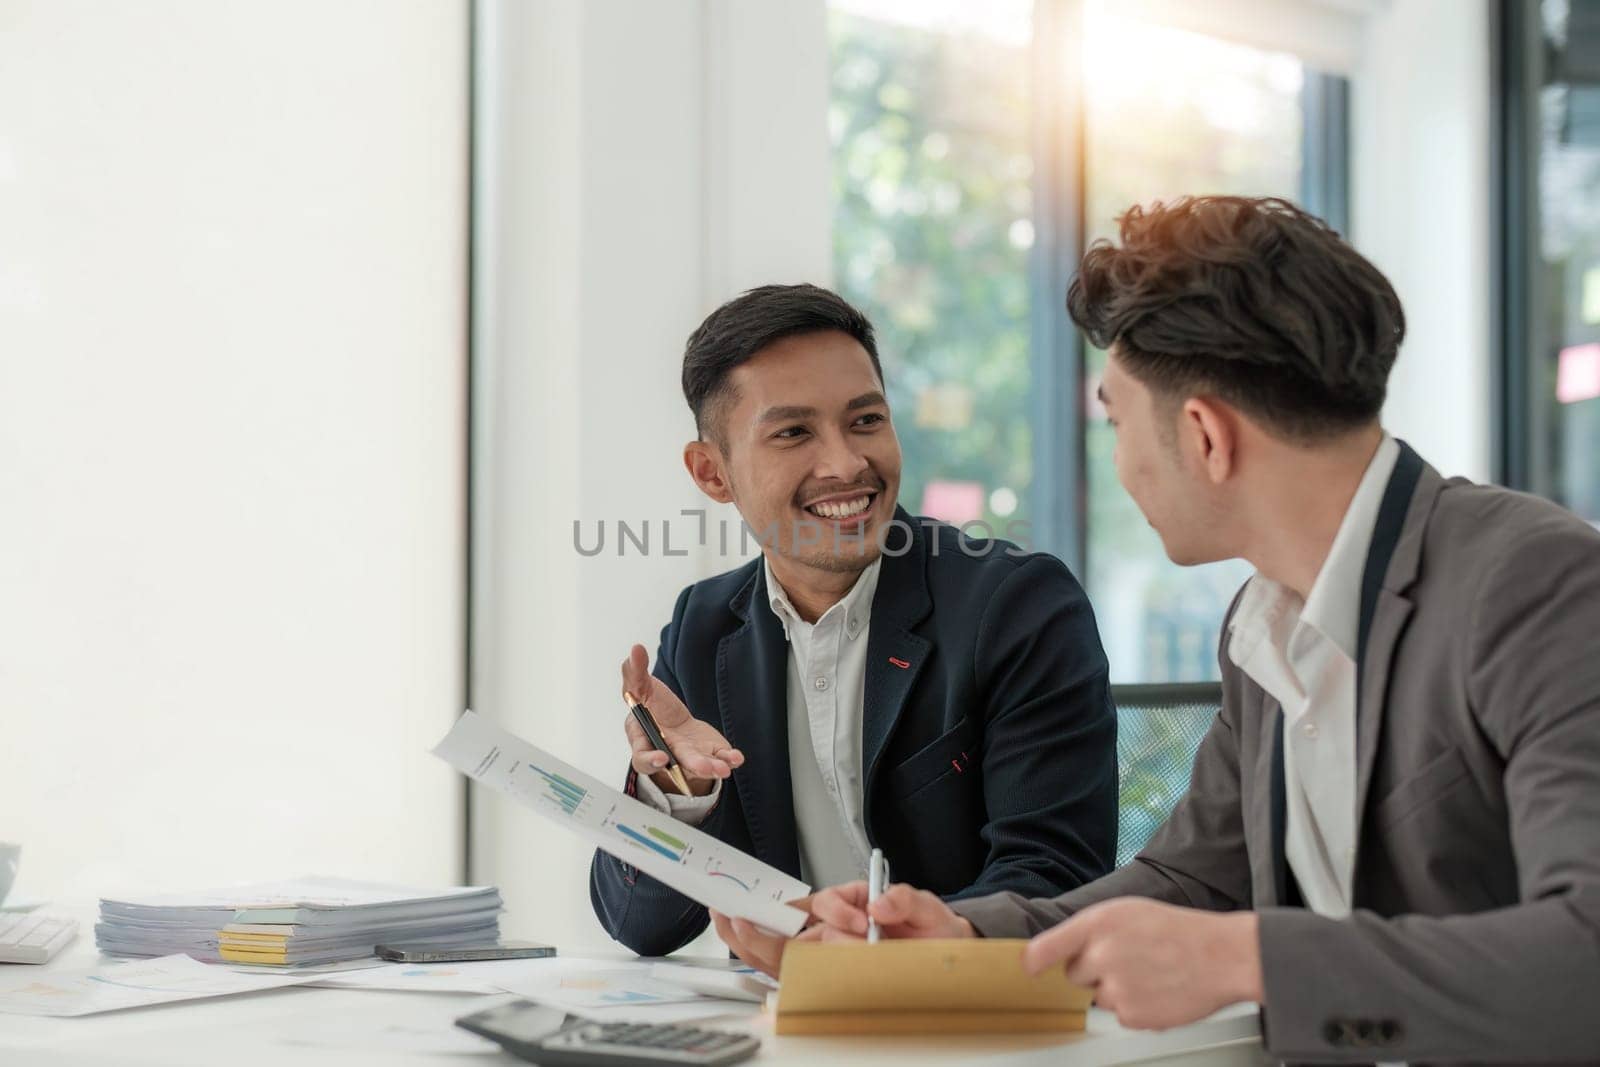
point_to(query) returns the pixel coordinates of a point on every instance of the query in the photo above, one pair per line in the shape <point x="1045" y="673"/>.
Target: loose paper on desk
<point x="130" y="985"/>
<point x="694" y="863"/>
<point x="615" y="991"/>
<point x="417" y="1026"/>
<point x="408" y="977"/>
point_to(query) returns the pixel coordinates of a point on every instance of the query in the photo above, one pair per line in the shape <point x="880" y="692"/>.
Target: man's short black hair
<point x="739" y="329"/>
<point x="1252" y="300"/>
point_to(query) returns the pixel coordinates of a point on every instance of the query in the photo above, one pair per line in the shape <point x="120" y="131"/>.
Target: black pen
<point x="642" y="715"/>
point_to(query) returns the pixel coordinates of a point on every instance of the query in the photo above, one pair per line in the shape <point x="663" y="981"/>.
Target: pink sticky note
<point x="1578" y="373"/>
<point x="953" y="502"/>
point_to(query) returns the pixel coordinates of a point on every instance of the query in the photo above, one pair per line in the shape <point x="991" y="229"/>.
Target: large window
<point x="977" y="149"/>
<point x="932" y="235"/>
<point x="1550" y="419"/>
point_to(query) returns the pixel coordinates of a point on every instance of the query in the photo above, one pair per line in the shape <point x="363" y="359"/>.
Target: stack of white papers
<point x="306" y="921"/>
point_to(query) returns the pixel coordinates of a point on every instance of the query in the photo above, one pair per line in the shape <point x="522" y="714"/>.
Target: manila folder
<point x="913" y="987"/>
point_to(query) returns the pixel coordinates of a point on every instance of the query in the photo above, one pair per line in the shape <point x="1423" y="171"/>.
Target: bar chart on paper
<point x="560" y="792"/>
<point x="726" y="868"/>
<point x="694" y="863"/>
<point x="657" y="840"/>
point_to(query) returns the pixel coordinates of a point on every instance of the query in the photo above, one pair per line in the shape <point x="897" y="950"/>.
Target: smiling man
<point x="872" y="680"/>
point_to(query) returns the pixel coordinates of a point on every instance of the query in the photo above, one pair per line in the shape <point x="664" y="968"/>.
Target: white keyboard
<point x="29" y="938"/>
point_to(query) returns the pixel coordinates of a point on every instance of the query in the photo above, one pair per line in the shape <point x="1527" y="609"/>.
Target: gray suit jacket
<point x="1476" y="934"/>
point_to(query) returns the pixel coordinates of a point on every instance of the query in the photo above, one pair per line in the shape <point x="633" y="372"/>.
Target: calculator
<point x="524" y="1029"/>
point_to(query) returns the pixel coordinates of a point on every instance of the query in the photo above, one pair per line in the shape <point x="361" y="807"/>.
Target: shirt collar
<point x="856" y="605"/>
<point x="1261" y="605"/>
<point x="1270" y="609"/>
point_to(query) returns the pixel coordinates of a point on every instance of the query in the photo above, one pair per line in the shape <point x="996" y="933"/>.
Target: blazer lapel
<point x="1392" y="564"/>
<point x="895" y="655"/>
<point x="753" y="696"/>
<point x="1277" y="799"/>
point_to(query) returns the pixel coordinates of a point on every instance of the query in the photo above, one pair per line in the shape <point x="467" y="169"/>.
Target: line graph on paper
<point x="714" y="869"/>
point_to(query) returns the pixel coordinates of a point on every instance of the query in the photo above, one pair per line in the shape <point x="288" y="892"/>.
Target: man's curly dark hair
<point x="1253" y="301"/>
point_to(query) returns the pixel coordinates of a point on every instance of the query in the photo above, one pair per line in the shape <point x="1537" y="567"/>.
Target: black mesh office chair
<point x="1159" y="728"/>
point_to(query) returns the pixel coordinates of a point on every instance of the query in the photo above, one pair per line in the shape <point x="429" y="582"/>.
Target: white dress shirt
<point x="1303" y="653"/>
<point x="826" y="687"/>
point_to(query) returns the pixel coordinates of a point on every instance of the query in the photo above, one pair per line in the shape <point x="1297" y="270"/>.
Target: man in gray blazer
<point x="1392" y="836"/>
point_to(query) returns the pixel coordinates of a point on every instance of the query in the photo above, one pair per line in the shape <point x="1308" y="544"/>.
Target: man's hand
<point x="1155" y="965"/>
<point x="900" y="910"/>
<point x="702" y="752"/>
<point x="756" y="945"/>
<point x="840" y="914"/>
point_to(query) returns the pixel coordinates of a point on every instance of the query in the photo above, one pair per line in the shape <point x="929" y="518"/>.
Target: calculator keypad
<point x="628" y="1037"/>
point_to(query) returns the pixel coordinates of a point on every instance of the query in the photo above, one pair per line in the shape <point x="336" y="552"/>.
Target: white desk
<point x="267" y="1028"/>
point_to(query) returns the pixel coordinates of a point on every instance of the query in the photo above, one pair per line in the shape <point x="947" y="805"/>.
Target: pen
<point x="642" y="715"/>
<point x="877" y="882"/>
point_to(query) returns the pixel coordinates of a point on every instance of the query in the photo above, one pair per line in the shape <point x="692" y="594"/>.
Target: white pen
<point x="877" y="882"/>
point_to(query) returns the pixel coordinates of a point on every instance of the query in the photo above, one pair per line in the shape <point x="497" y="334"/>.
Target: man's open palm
<point x="703" y="753"/>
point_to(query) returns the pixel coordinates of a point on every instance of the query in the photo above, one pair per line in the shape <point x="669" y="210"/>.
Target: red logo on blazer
<point x="902" y="664"/>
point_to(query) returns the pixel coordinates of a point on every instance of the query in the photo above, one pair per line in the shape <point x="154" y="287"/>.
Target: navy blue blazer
<point x="989" y="738"/>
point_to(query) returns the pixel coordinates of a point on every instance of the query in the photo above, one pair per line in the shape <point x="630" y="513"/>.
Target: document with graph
<point x="695" y="864"/>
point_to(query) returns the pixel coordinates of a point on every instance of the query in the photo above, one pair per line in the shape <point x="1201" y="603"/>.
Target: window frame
<point x="1519" y="425"/>
<point x="1060" y="484"/>
<point x="1522" y="419"/>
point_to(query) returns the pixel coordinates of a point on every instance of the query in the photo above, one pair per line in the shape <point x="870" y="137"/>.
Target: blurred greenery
<point x="932" y="177"/>
<point x="932" y="191"/>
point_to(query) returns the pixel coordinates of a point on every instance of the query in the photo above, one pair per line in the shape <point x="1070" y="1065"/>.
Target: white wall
<point x="643" y="162"/>
<point x="232" y="360"/>
<point x="1421" y="210"/>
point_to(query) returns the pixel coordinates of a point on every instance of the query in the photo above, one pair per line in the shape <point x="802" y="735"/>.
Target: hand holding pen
<point x="877" y="885"/>
<point x="682" y="742"/>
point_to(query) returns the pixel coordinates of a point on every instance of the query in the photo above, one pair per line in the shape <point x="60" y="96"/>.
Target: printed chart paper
<point x="694" y="863"/>
<point x="613" y="992"/>
<point x="130" y="985"/>
<point x="431" y="977"/>
<point x="583" y="986"/>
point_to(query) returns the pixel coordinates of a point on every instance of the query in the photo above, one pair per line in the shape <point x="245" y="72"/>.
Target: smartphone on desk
<point x="499" y="950"/>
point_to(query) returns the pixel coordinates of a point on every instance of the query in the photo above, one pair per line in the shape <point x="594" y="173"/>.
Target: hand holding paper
<point x="842" y="912"/>
<point x="694" y="863"/>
